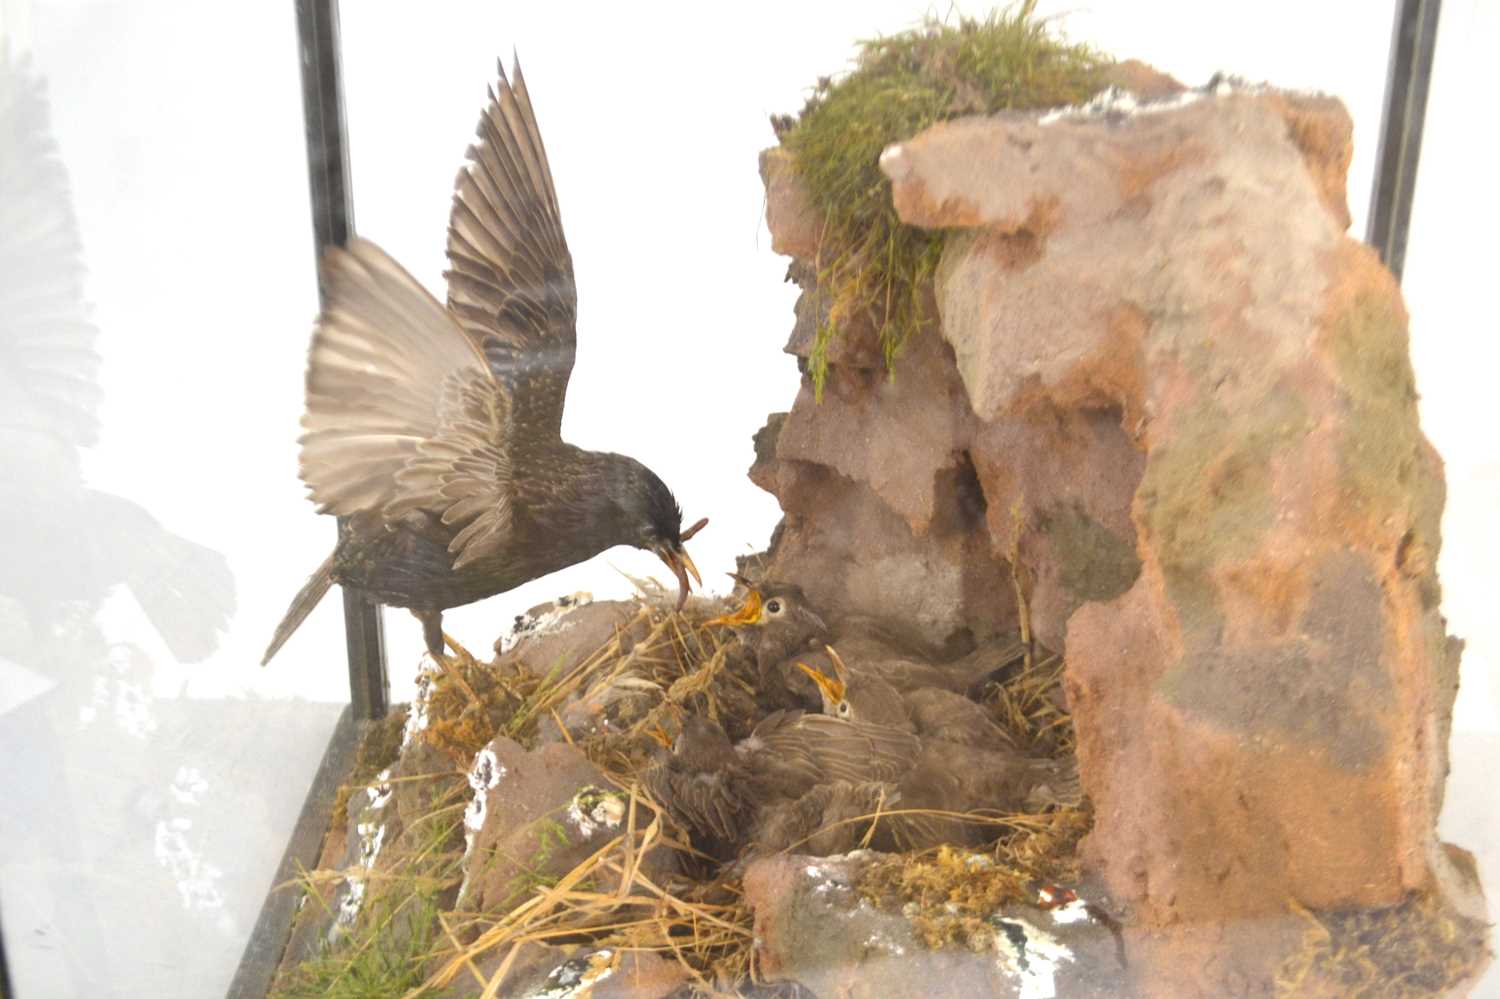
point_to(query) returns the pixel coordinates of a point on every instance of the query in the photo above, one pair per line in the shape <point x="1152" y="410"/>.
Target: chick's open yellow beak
<point x="833" y="690"/>
<point x="748" y="613"/>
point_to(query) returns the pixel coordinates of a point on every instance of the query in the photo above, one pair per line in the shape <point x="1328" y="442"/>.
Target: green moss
<point x="389" y="967"/>
<point x="1418" y="948"/>
<point x="1096" y="564"/>
<point x="377" y="750"/>
<point x="951" y="895"/>
<point x="1383" y="465"/>
<point x="1207" y="493"/>
<point x="872" y="267"/>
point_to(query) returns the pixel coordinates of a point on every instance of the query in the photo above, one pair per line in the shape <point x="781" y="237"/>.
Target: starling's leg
<point x="432" y="629"/>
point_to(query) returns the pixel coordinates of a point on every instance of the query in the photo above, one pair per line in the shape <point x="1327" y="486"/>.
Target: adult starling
<point x="434" y="432"/>
<point x="929" y="712"/>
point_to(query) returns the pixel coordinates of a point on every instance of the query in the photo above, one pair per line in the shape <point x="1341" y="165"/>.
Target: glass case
<point x="174" y="810"/>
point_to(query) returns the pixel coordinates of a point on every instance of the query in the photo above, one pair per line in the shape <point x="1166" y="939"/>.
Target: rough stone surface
<point x="1144" y="81"/>
<point x="1170" y="402"/>
<point x="564" y="632"/>
<point x="812" y="926"/>
<point x="794" y="227"/>
<point x="541" y="971"/>
<point x="535" y="816"/>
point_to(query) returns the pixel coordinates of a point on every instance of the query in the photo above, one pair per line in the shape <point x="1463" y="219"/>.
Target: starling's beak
<point x="833" y="690"/>
<point x="681" y="564"/>
<point x="749" y="613"/>
<point x="660" y="735"/>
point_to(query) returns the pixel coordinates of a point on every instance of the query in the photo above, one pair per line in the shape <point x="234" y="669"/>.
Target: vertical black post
<point x="6" y="992"/>
<point x="1413" y="42"/>
<point x="333" y="220"/>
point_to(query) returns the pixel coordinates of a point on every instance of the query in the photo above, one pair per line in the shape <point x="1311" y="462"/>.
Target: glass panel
<point x="154" y="214"/>
<point x="158" y="288"/>
<point x="1446" y="284"/>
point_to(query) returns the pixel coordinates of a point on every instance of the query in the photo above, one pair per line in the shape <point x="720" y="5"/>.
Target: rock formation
<point x="1169" y="404"/>
<point x="815" y="927"/>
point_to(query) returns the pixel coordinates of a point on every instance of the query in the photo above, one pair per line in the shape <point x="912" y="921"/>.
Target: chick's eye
<point x="844" y="709"/>
<point x="773" y="606"/>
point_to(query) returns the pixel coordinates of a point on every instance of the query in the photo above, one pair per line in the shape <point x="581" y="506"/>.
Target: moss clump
<point x="1417" y="948"/>
<point x="377" y="750"/>
<point x="951" y="895"/>
<point x="872" y="267"/>
<point x="469" y="702"/>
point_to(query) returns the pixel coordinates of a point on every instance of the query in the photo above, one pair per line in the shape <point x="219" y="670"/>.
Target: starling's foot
<point x="453" y="668"/>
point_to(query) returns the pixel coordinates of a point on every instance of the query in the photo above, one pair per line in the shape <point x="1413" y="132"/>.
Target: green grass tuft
<point x="399" y="931"/>
<point x="871" y="267"/>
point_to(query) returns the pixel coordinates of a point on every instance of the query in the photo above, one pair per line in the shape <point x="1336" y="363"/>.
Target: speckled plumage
<point x="726" y="796"/>
<point x="434" y="431"/>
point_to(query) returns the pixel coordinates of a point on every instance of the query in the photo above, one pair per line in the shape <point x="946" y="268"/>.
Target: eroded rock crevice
<point x="1171" y="400"/>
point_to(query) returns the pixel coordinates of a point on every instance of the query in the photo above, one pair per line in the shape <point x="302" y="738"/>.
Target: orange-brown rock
<point x="1175" y="398"/>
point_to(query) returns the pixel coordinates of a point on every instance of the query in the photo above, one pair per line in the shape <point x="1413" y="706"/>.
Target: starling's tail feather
<point x="302" y="604"/>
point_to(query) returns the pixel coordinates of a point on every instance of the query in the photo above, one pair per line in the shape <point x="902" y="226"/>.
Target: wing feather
<point x="510" y="276"/>
<point x="403" y="413"/>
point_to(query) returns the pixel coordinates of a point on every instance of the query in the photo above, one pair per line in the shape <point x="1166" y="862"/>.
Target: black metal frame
<point x="267" y="943"/>
<point x="6" y="992"/>
<point x="369" y="684"/>
<point x="333" y="222"/>
<point x="1413" y="45"/>
<point x="1412" y="48"/>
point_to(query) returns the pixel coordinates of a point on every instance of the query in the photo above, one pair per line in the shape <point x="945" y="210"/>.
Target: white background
<point x="180" y="124"/>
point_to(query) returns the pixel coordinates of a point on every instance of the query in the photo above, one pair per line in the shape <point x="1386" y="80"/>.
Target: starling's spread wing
<point x="403" y="414"/>
<point x="510" y="280"/>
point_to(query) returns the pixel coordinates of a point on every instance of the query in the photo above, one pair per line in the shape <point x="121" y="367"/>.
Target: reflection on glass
<point x="77" y="708"/>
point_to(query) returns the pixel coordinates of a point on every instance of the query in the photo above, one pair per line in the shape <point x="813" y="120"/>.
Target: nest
<point x="411" y="938"/>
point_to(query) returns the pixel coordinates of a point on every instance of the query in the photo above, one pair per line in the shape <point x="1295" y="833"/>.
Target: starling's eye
<point x="843" y="709"/>
<point x="773" y="606"/>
